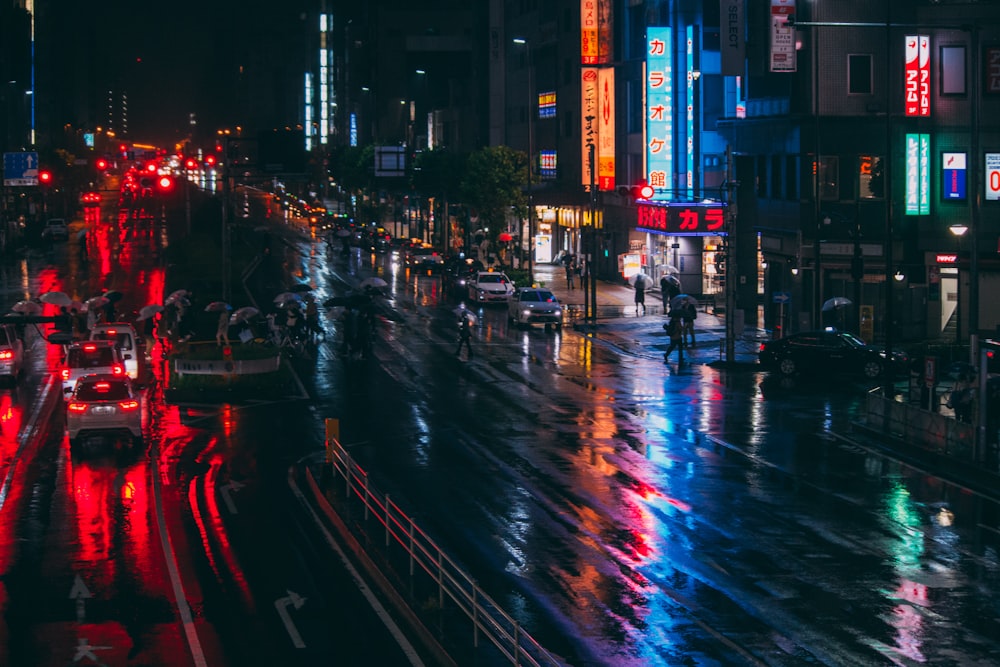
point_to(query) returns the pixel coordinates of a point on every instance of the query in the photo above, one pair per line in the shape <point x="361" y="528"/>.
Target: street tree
<point x="438" y="173"/>
<point x="494" y="184"/>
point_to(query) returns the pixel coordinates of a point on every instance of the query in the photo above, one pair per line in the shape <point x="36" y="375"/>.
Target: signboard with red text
<point x="659" y="109"/>
<point x="918" y="75"/>
<point x="683" y="219"/>
<point x="782" y="36"/>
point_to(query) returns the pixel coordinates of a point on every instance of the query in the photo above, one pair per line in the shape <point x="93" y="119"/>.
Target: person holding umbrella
<point x="222" y="330"/>
<point x="465" y="337"/>
<point x="640" y="295"/>
<point x="675" y="329"/>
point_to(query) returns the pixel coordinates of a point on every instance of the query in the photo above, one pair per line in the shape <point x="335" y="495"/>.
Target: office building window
<point x="953" y="70"/>
<point x="859" y="74"/>
<point x="829" y="177"/>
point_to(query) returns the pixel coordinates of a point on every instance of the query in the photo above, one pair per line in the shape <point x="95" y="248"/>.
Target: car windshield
<point x="96" y="358"/>
<point x="102" y="391"/>
<point x="852" y="340"/>
<point x="492" y="278"/>
<point x="4" y="338"/>
<point x="121" y="337"/>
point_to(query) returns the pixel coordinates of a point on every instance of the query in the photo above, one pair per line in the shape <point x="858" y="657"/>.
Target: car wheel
<point x="872" y="369"/>
<point x="787" y="366"/>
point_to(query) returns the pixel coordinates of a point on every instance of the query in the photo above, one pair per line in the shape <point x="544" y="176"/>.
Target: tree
<point x="353" y="169"/>
<point x="493" y="184"/>
<point x="438" y="173"/>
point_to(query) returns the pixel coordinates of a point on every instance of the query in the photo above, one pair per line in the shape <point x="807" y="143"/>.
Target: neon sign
<point x="918" y="75"/>
<point x="683" y="219"/>
<point x="659" y="109"/>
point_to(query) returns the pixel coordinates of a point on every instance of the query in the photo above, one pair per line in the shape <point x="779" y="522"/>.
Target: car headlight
<point x="558" y="313"/>
<point x="526" y="313"/>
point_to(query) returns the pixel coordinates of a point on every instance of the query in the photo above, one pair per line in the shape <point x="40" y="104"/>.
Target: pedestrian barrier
<point x="226" y="367"/>
<point x="929" y="430"/>
<point x="426" y="558"/>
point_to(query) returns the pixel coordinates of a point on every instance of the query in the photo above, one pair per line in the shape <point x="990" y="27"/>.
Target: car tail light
<point x="64" y="374"/>
<point x="763" y="346"/>
<point x="89" y="347"/>
<point x="112" y="332"/>
<point x="78" y="408"/>
<point x="117" y="369"/>
<point x="6" y="355"/>
<point x="128" y="406"/>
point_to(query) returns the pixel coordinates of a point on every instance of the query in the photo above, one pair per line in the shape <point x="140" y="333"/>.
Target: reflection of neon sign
<point x="918" y="177"/>
<point x="918" y="75"/>
<point x="659" y="109"/>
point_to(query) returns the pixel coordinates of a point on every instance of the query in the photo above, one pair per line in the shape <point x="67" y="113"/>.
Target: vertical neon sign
<point x="659" y="109"/>
<point x="917" y="68"/>
<point x="918" y="177"/>
<point x="689" y="128"/>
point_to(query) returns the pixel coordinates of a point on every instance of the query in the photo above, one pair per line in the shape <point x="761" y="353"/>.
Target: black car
<point x="827" y="353"/>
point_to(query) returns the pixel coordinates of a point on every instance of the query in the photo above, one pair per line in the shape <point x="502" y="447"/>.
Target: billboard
<point x="659" y="109"/>
<point x="782" y="36"/>
<point x="992" y="176"/>
<point x="918" y="178"/>
<point x="917" y="69"/>
<point x="588" y="119"/>
<point x="606" y="128"/>
<point x="733" y="46"/>
<point x="953" y="176"/>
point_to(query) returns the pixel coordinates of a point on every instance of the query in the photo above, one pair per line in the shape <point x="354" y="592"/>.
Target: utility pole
<point x="731" y="277"/>
<point x="591" y="274"/>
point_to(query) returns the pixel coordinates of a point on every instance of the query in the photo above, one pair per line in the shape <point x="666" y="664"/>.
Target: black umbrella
<point x="349" y="301"/>
<point x="300" y="287"/>
<point x="113" y="295"/>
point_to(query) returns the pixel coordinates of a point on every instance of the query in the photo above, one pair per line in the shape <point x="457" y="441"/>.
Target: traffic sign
<point x="781" y="297"/>
<point x="993" y="176"/>
<point x="20" y="169"/>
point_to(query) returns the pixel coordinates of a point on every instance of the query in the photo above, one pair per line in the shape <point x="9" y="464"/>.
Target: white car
<point x="490" y="287"/>
<point x="530" y="305"/>
<point x="55" y="230"/>
<point x="105" y="404"/>
<point x="11" y="352"/>
<point x="88" y="358"/>
<point x="130" y="345"/>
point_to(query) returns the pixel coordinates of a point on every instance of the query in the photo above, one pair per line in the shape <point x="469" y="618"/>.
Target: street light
<point x="959" y="231"/>
<point x="531" y="213"/>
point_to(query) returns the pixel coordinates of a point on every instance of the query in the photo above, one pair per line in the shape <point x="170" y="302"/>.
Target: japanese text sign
<point x="683" y="219"/>
<point x="918" y="75"/>
<point x="659" y="109"/>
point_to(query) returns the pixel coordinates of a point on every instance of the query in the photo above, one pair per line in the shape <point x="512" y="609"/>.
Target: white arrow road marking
<point x="80" y="593"/>
<point x="227" y="495"/>
<point x="85" y="650"/>
<point x="281" y="604"/>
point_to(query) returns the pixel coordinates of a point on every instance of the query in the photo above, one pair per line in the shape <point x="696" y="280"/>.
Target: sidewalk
<point x="618" y="322"/>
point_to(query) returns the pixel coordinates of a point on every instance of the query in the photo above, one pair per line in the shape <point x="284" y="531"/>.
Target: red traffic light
<point x="45" y="177"/>
<point x="151" y="167"/>
<point x="210" y="160"/>
<point x="165" y="183"/>
<point x="643" y="191"/>
<point x="191" y="164"/>
<point x="101" y="164"/>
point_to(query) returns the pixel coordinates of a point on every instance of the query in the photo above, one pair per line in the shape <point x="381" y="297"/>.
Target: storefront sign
<point x="918" y="179"/>
<point x="945" y="258"/>
<point x="683" y="219"/>
<point x="782" y="36"/>
<point x="991" y="70"/>
<point x="733" y="47"/>
<point x="606" y="129"/>
<point x="547" y="104"/>
<point x="659" y="109"/>
<point x="993" y="176"/>
<point x="588" y="32"/>
<point x="918" y="75"/>
<point x="953" y="176"/>
<point x="588" y="120"/>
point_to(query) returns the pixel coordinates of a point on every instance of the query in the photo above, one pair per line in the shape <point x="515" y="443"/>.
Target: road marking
<point x="183" y="608"/>
<point x="281" y="604"/>
<point x="227" y="495"/>
<point x="380" y="611"/>
<point x="81" y="594"/>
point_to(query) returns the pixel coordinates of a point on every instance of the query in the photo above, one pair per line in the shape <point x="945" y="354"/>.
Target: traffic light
<point x="101" y="164"/>
<point x="190" y="164"/>
<point x="44" y="177"/>
<point x="639" y="191"/>
<point x="165" y="183"/>
<point x="209" y="160"/>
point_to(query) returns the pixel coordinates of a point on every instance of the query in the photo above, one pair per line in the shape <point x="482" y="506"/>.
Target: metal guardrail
<point x="930" y="430"/>
<point x="427" y="558"/>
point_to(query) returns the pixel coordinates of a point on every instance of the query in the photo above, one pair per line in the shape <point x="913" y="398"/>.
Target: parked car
<point x="490" y="287"/>
<point x="530" y="305"/>
<point x="11" y="352"/>
<point x="828" y="352"/>
<point x="87" y="358"/>
<point x="130" y="344"/>
<point x="106" y="404"/>
<point x="55" y="230"/>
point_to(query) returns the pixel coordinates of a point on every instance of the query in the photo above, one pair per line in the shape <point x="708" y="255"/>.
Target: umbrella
<point x="300" y="287"/>
<point x="149" y="311"/>
<point x="373" y="282"/>
<point x="343" y="232"/>
<point x="465" y="313"/>
<point x="243" y="314"/>
<point x="56" y="298"/>
<point x="82" y="234"/>
<point x="217" y="307"/>
<point x="26" y="308"/>
<point x="95" y="302"/>
<point x="285" y="297"/>
<point x="504" y="237"/>
<point x="113" y="295"/>
<point x="176" y="296"/>
<point x="640" y="279"/>
<point x="78" y="306"/>
<point x="836" y="302"/>
<point x="681" y="300"/>
<point x="349" y="301"/>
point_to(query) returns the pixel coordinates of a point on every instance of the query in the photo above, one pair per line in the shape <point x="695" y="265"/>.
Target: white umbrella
<point x="243" y="314"/>
<point x="56" y="298"/>
<point x="640" y="279"/>
<point x="149" y="311"/>
<point x="217" y="307"/>
<point x="176" y="296"/>
<point x="78" y="306"/>
<point x="26" y="308"/>
<point x="96" y="301"/>
<point x="836" y="302"/>
<point x="285" y="297"/>
<point x="465" y="313"/>
<point x="374" y="282"/>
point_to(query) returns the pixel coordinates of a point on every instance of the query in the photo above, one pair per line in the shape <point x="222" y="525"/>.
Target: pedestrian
<point x="464" y="337"/>
<point x="689" y="313"/>
<point x="675" y="330"/>
<point x="312" y="318"/>
<point x="91" y="318"/>
<point x="222" y="330"/>
<point x="570" y="271"/>
<point x="109" y="311"/>
<point x="640" y="296"/>
<point x="961" y="397"/>
<point x="149" y="334"/>
<point x="665" y="291"/>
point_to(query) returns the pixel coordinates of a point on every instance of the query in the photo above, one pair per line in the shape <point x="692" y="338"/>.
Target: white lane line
<point x="25" y="436"/>
<point x="380" y="611"/>
<point x="183" y="608"/>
